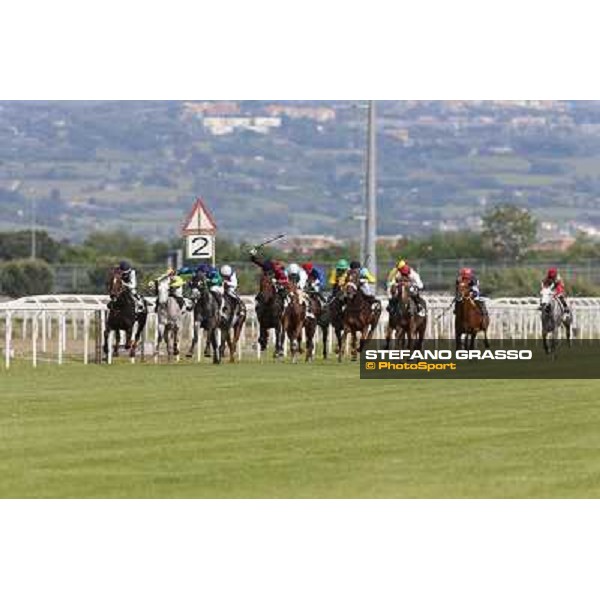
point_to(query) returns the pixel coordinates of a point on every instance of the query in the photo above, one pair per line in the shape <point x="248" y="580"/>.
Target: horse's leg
<point x="472" y="340"/>
<point x="190" y="352"/>
<point x="263" y="337"/>
<point x="176" y="342"/>
<point x="159" y="338"/>
<point x="216" y="345"/>
<point x="117" y="340"/>
<point x="388" y="335"/>
<point x="106" y="334"/>
<point x="325" y="339"/>
<point x="486" y="342"/>
<point x="354" y="345"/>
<point x="167" y="337"/>
<point x="231" y="342"/>
<point x="342" y="344"/>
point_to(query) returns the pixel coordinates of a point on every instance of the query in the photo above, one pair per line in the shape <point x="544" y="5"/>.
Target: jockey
<point x="337" y="278"/>
<point x="176" y="284"/>
<point x="203" y="269"/>
<point x="296" y="274"/>
<point x="355" y="266"/>
<point x="416" y="286"/>
<point x="230" y="282"/>
<point x="554" y="281"/>
<point x="393" y="275"/>
<point x="366" y="280"/>
<point x="315" y="281"/>
<point x="216" y="288"/>
<point x="129" y="280"/>
<point x="467" y="275"/>
<point x="270" y="267"/>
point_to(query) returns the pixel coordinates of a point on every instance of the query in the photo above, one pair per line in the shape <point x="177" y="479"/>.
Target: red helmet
<point x="552" y="272"/>
<point x="405" y="270"/>
<point x="466" y="273"/>
<point x="308" y="267"/>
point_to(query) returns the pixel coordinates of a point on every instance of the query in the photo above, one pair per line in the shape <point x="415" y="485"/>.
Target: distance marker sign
<point x="199" y="231"/>
<point x="200" y="246"/>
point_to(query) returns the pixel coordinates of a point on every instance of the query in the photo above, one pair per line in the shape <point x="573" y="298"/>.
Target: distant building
<point x="561" y="244"/>
<point x="226" y="125"/>
<point x="200" y="109"/>
<point x="389" y="241"/>
<point x="316" y="113"/>
<point x="305" y="244"/>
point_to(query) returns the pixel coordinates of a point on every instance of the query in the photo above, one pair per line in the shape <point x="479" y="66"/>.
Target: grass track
<point x="249" y="430"/>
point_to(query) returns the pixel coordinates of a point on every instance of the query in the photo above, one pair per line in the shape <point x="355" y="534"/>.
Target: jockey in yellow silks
<point x="337" y="277"/>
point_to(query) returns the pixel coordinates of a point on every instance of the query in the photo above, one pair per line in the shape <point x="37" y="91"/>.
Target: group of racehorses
<point x="223" y="326"/>
<point x="294" y="313"/>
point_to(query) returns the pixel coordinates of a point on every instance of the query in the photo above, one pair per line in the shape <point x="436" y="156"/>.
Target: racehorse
<point x="553" y="316"/>
<point x="358" y="316"/>
<point x="270" y="302"/>
<point x="404" y="321"/>
<point x="335" y="308"/>
<point x="322" y="320"/>
<point x="169" y="316"/>
<point x="469" y="319"/>
<point x="206" y="315"/>
<point x="122" y="316"/>
<point x="293" y="320"/>
<point x="231" y="324"/>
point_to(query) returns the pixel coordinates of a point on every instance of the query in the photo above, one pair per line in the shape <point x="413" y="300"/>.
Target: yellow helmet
<point x="401" y="263"/>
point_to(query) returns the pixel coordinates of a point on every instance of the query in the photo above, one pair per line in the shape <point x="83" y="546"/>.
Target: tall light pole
<point x="33" y="240"/>
<point x="363" y="235"/>
<point x="371" y="189"/>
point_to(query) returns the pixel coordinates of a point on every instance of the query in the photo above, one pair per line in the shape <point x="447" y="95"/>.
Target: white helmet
<point x="226" y="271"/>
<point x="294" y="269"/>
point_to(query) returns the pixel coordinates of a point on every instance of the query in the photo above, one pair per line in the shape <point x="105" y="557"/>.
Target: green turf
<point x="281" y="430"/>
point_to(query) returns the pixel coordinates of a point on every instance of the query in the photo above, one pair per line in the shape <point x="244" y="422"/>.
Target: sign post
<point x="199" y="231"/>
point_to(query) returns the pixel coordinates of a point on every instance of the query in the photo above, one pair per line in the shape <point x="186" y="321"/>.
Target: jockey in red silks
<point x="467" y="275"/>
<point x="272" y="267"/>
<point x="554" y="281"/>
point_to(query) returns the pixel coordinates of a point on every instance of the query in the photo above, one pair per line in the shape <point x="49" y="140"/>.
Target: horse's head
<point x="546" y="296"/>
<point x="350" y="289"/>
<point x="404" y="288"/>
<point x="114" y="283"/>
<point x="162" y="290"/>
<point x="266" y="287"/>
<point x="463" y="289"/>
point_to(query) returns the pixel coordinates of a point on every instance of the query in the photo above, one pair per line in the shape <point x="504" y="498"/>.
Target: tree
<point x="509" y="230"/>
<point x="25" y="278"/>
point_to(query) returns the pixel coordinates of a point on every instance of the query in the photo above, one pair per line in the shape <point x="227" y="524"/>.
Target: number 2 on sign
<point x="200" y="246"/>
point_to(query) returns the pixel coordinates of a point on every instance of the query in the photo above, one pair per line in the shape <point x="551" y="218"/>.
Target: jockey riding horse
<point x="405" y="320"/>
<point x="126" y="311"/>
<point x="361" y="314"/>
<point x="270" y="301"/>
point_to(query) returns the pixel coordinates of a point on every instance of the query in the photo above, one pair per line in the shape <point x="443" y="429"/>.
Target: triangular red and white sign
<point x="199" y="220"/>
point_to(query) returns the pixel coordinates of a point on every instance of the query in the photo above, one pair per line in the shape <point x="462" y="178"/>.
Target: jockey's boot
<point x="421" y="308"/>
